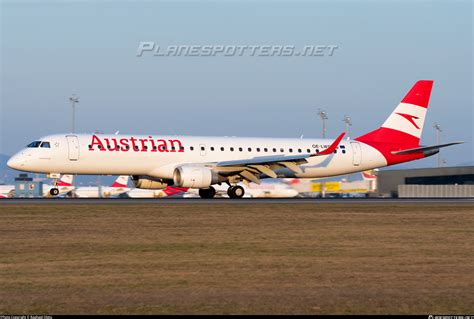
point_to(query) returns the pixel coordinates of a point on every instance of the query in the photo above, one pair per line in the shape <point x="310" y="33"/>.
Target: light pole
<point x="322" y="114"/>
<point x="348" y="122"/>
<point x="438" y="129"/>
<point x="74" y="99"/>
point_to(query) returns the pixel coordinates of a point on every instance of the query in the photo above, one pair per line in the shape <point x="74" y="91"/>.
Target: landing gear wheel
<point x="54" y="191"/>
<point x="207" y="192"/>
<point x="236" y="192"/>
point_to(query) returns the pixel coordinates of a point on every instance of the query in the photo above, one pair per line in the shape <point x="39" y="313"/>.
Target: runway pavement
<point x="250" y="201"/>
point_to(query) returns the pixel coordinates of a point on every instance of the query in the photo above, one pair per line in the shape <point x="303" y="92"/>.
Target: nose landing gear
<point x="54" y="176"/>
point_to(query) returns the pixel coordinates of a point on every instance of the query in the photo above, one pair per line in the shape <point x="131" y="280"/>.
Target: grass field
<point x="239" y="259"/>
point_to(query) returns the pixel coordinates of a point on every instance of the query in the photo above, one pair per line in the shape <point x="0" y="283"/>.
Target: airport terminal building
<point x="427" y="182"/>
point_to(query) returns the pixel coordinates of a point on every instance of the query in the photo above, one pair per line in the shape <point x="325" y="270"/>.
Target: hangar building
<point x="427" y="182"/>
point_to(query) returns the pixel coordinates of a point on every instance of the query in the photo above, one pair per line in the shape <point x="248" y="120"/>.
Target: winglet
<point x="332" y="147"/>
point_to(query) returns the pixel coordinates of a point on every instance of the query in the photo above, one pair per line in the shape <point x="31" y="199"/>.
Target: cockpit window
<point x="45" y="145"/>
<point x="34" y="144"/>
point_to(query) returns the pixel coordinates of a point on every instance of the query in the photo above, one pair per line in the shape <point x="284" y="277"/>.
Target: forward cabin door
<point x="73" y="145"/>
<point x="356" y="153"/>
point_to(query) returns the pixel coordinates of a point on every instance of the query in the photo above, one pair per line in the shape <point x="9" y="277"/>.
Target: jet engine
<point x="148" y="182"/>
<point x="194" y="176"/>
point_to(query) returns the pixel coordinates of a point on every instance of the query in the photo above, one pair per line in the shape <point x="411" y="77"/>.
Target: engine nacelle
<point x="194" y="176"/>
<point x="147" y="182"/>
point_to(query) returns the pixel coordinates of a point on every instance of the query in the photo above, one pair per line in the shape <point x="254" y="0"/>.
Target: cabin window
<point x="181" y="149"/>
<point x="192" y="148"/>
<point x="135" y="148"/>
<point x="99" y="146"/>
<point x="274" y="150"/>
<point x="231" y="149"/>
<point x="202" y="148"/>
<point x="222" y="149"/>
<point x="34" y="144"/>
<point x="317" y="151"/>
<point x="212" y="148"/>
<point x="265" y="149"/>
<point x="154" y="148"/>
<point x="250" y="149"/>
<point x="308" y="150"/>
<point x="291" y="150"/>
<point x="240" y="149"/>
<point x="172" y="148"/>
<point x="282" y="150"/>
<point x="299" y="150"/>
<point x="146" y="147"/>
<point x="335" y="151"/>
<point x="258" y="149"/>
<point x="343" y="151"/>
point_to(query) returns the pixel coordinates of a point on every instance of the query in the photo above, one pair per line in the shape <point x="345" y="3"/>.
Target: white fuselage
<point x="158" y="156"/>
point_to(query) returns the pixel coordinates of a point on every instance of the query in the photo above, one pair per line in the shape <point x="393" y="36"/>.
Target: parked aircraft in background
<point x="117" y="188"/>
<point x="155" y="193"/>
<point x="156" y="162"/>
<point x="7" y="191"/>
<point x="265" y="189"/>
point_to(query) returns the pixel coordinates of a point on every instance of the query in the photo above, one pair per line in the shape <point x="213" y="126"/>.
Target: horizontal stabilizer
<point x="423" y="149"/>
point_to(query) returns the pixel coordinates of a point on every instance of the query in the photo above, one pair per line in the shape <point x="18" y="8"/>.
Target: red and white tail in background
<point x="121" y="181"/>
<point x="66" y="180"/>
<point x="170" y="190"/>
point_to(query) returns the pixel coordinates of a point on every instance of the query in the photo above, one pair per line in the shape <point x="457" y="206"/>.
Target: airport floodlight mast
<point x="348" y="122"/>
<point x="438" y="129"/>
<point x="323" y="115"/>
<point x="74" y="99"/>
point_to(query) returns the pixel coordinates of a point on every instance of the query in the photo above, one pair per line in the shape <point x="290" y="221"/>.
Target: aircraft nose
<point x="16" y="162"/>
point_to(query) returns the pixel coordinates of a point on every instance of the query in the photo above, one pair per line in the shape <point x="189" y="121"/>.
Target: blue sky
<point x="53" y="49"/>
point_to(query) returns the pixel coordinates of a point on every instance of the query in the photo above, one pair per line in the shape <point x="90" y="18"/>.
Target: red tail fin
<point x="404" y="126"/>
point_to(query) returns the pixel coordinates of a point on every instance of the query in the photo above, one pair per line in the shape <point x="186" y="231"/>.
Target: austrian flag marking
<point x="135" y="144"/>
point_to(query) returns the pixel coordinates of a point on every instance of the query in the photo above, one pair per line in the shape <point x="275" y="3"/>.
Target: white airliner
<point x="118" y="187"/>
<point x="200" y="162"/>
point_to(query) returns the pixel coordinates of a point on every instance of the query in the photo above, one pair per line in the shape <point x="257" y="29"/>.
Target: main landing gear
<point x="236" y="192"/>
<point x="207" y="192"/>
<point x="232" y="191"/>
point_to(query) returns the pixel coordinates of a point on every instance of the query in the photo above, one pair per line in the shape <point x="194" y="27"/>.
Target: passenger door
<point x="356" y="153"/>
<point x="73" y="145"/>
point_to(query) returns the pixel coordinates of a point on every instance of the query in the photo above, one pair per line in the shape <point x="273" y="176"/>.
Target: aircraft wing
<point x="250" y="169"/>
<point x="424" y="149"/>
